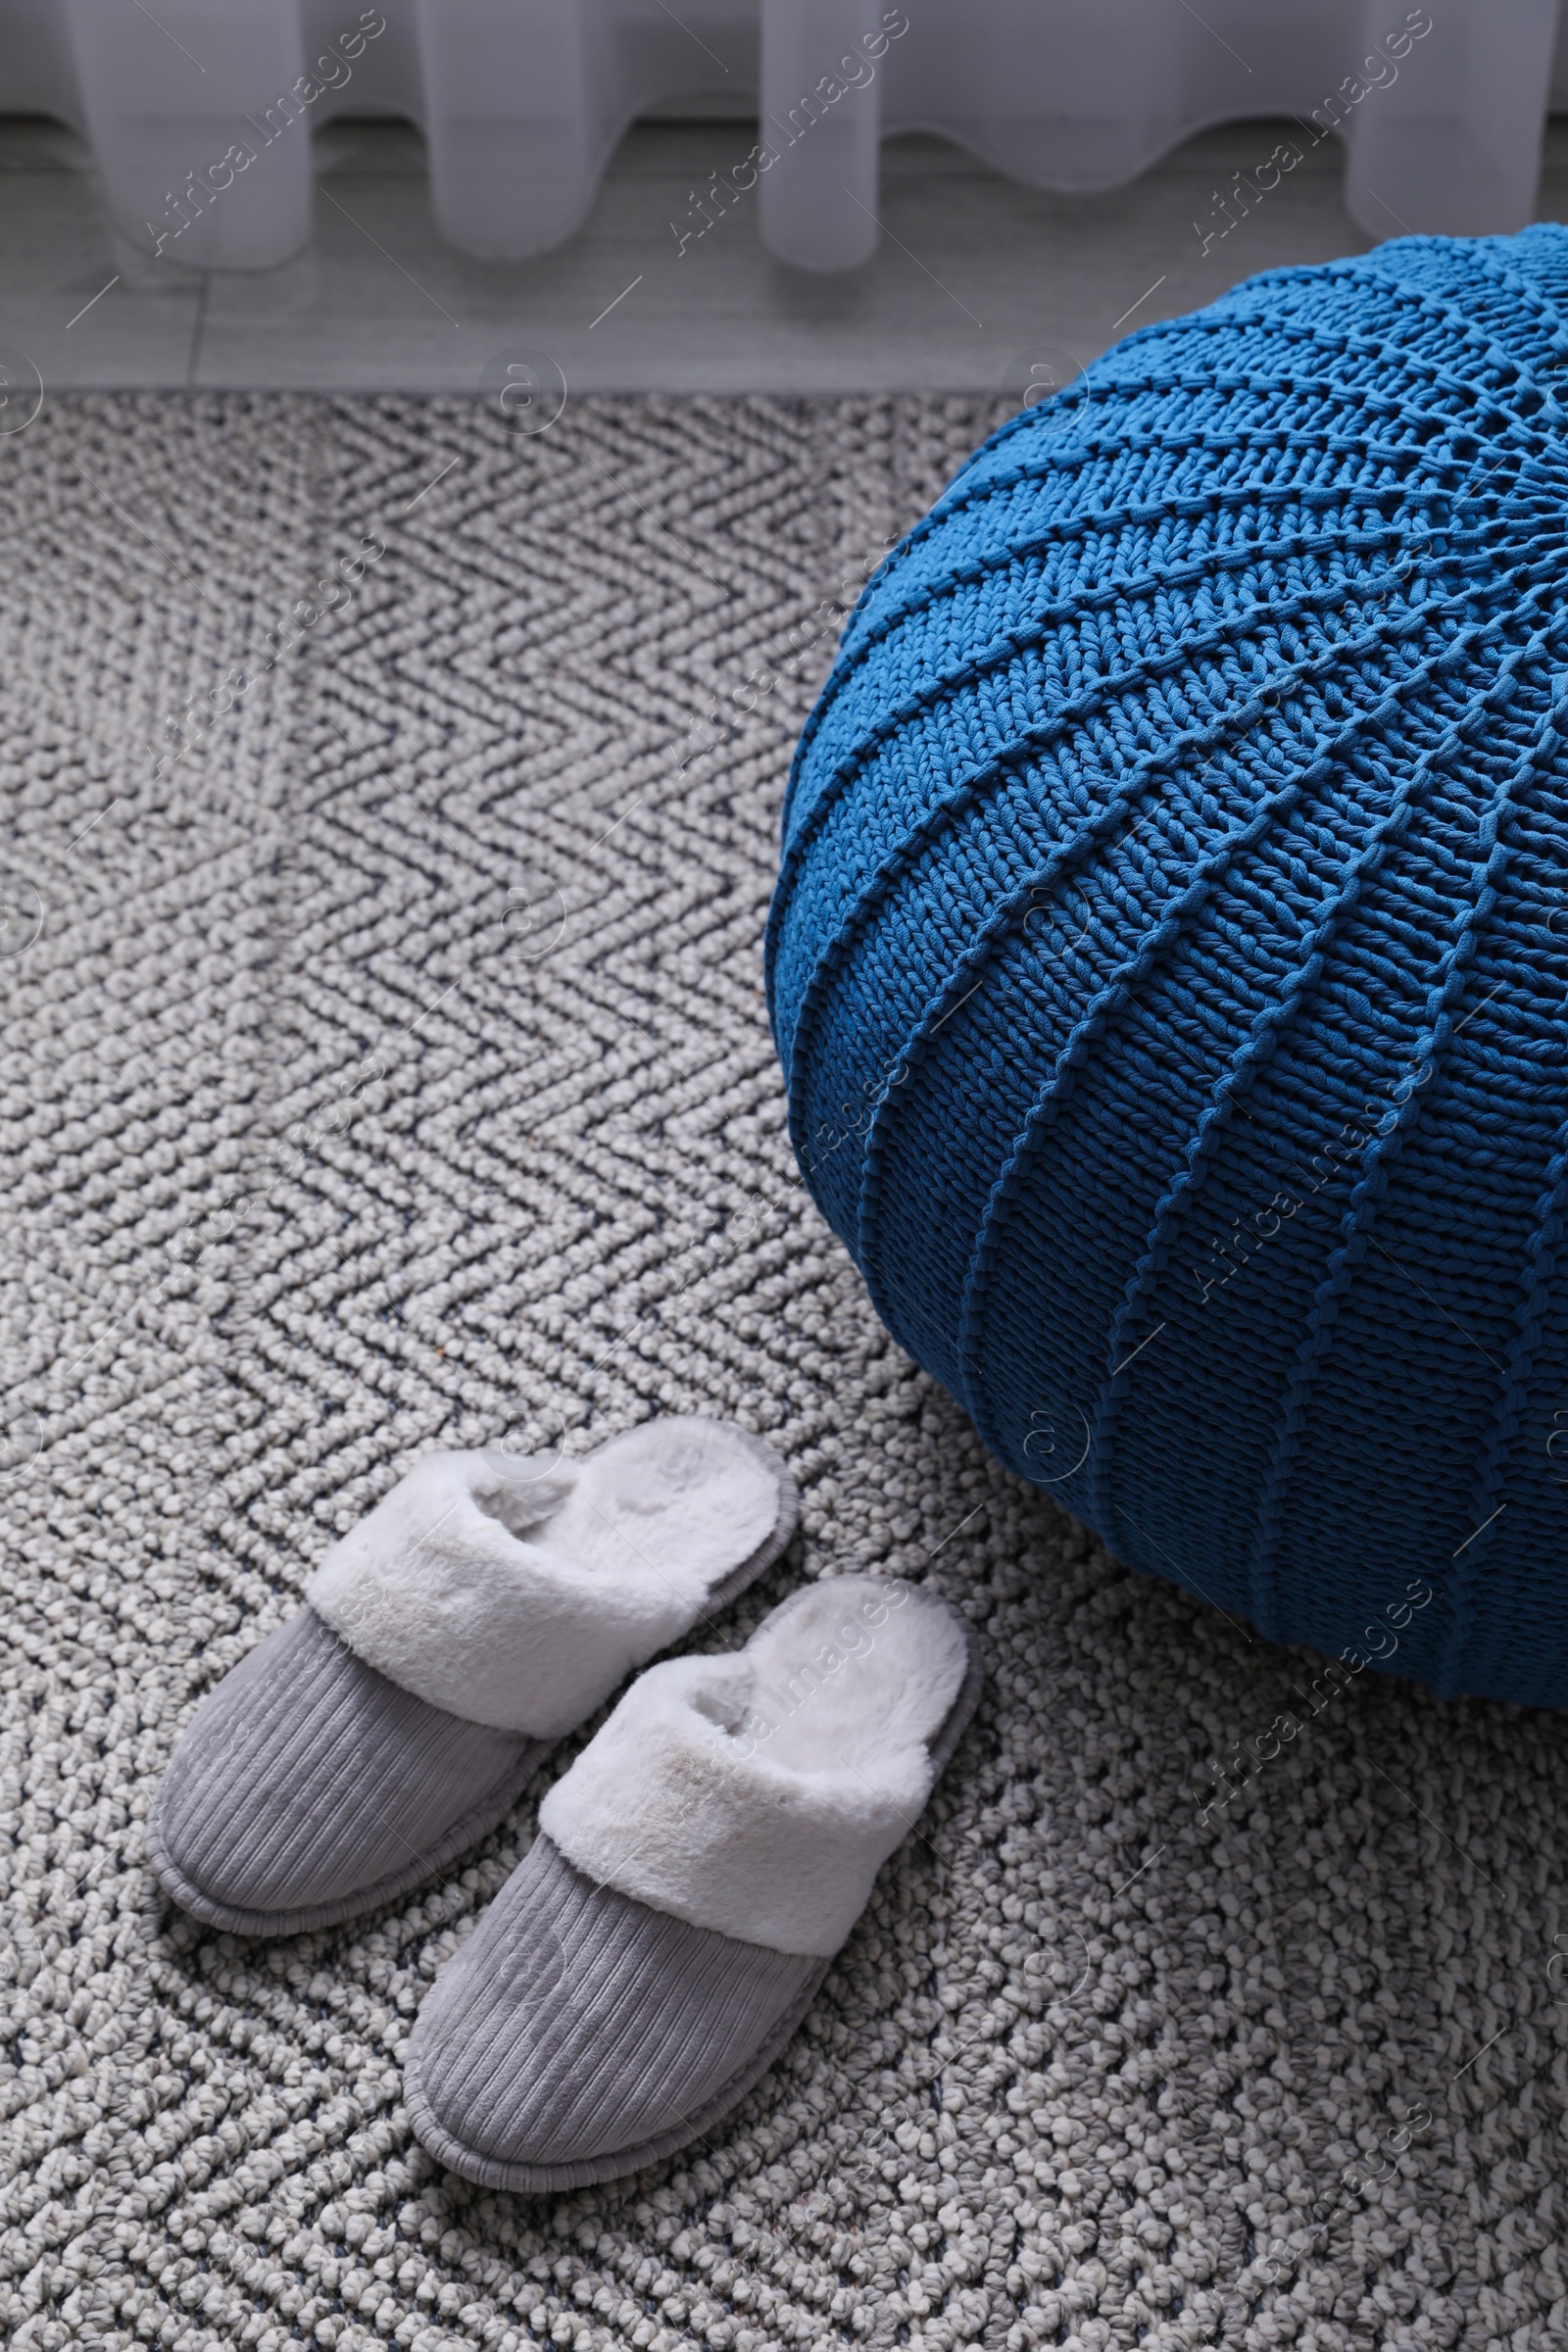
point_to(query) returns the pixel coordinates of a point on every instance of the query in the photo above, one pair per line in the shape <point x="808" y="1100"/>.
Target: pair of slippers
<point x="698" y="1864"/>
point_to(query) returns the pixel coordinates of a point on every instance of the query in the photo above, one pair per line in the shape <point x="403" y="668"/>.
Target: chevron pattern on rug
<point x="387" y="1066"/>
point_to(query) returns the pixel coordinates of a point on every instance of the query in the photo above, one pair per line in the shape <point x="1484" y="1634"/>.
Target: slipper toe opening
<point x="685" y="1498"/>
<point x="529" y="1623"/>
<point x="758" y="1792"/>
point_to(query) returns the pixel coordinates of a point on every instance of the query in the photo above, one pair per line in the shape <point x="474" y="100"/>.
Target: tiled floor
<point x="977" y="280"/>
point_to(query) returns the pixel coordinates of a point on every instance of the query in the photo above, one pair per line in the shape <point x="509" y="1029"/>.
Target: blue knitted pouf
<point x="1169" y="956"/>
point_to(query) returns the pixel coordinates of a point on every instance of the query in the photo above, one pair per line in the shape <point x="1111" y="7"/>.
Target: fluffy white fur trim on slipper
<point x="760" y="1792"/>
<point x="520" y="1596"/>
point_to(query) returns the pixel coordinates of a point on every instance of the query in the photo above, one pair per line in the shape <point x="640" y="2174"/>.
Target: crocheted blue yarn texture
<point x="1169" y="954"/>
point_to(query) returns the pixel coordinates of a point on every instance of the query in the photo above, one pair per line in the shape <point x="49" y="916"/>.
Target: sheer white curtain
<point x="200" y="115"/>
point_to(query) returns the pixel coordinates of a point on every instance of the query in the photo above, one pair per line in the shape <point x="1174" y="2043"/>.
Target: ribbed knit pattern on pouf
<point x="1168" y="960"/>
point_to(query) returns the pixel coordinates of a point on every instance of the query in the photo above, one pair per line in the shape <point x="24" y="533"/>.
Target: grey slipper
<point x="696" y="1871"/>
<point x="485" y="1607"/>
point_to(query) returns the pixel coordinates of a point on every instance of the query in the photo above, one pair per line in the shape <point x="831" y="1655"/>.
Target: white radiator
<point x="199" y="112"/>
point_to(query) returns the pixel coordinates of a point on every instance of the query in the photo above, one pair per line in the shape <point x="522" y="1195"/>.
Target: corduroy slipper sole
<point x="479" y="1614"/>
<point x="589" y="2026"/>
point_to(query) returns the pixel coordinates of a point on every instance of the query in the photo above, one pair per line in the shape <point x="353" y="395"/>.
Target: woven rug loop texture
<point x="1170" y="954"/>
<point x="387" y="1068"/>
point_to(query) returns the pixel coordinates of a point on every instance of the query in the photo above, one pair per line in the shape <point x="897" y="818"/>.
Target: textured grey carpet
<point x="394" y="1071"/>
